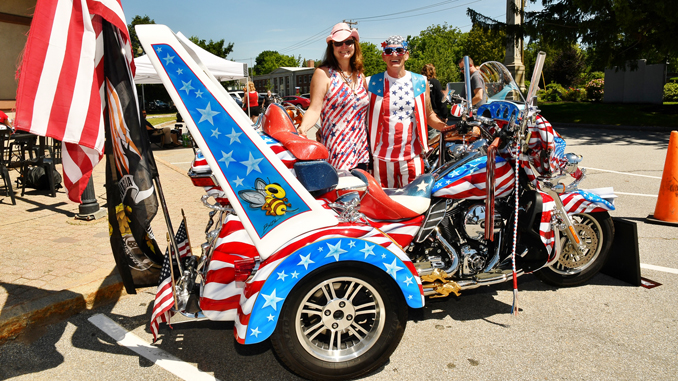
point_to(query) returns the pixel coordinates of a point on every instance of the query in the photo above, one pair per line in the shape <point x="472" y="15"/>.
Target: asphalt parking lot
<point x="604" y="330"/>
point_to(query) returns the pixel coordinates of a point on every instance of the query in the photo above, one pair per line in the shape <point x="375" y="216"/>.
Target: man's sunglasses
<point x="399" y="51"/>
<point x="349" y="42"/>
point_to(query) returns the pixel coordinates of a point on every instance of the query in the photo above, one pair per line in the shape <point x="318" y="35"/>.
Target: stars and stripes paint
<point x="240" y="160"/>
<point x="283" y="154"/>
<point x="582" y="201"/>
<point x="343" y="123"/>
<point x="164" y="298"/>
<point x="546" y="232"/>
<point x="382" y="122"/>
<point x="61" y="81"/>
<point x="468" y="181"/>
<point x="220" y="294"/>
<point x="224" y="299"/>
<point x="257" y="316"/>
<point x="546" y="148"/>
<point x="397" y="137"/>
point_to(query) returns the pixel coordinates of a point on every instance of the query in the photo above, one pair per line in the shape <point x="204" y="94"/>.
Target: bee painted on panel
<point x="268" y="197"/>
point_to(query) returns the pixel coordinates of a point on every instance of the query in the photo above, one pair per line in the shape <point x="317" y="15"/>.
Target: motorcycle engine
<point x="474" y="222"/>
<point x="474" y="252"/>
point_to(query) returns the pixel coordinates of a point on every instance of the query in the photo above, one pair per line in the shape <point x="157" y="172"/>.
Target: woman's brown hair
<point x="356" y="60"/>
<point x="429" y="71"/>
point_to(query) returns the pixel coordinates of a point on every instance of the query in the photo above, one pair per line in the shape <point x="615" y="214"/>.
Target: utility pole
<point x="351" y="23"/>
<point x="514" y="48"/>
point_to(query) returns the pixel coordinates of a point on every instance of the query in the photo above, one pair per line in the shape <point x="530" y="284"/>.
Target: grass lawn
<point x="610" y="113"/>
<point x="160" y="119"/>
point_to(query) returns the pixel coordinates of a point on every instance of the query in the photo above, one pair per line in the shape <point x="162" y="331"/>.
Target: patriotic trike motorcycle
<point x="325" y="263"/>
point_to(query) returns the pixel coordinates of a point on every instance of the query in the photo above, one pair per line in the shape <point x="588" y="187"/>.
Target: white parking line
<point x="636" y="194"/>
<point x="159" y="357"/>
<point x="658" y="268"/>
<point x="623" y="173"/>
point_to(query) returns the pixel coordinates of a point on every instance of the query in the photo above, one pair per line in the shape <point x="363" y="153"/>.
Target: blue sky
<point x="300" y="27"/>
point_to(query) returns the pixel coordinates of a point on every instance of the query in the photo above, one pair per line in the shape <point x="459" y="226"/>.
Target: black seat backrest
<point x="316" y="175"/>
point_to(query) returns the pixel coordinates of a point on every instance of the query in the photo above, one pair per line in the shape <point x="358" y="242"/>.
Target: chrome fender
<point x="260" y="309"/>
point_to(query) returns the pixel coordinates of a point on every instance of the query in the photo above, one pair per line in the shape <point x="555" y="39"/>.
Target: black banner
<point x="130" y="169"/>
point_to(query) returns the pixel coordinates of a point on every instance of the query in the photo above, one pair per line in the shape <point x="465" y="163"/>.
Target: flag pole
<point x="188" y="237"/>
<point x="165" y="213"/>
<point x="171" y="266"/>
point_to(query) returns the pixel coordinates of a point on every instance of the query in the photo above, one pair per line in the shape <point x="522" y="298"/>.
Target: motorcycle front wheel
<point x="572" y="269"/>
<point x="341" y="323"/>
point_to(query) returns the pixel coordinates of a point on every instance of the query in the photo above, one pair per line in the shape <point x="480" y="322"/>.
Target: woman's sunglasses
<point x="399" y="51"/>
<point x="349" y="42"/>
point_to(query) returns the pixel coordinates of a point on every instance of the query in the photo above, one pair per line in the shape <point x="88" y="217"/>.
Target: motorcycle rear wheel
<point x="352" y="308"/>
<point x="597" y="232"/>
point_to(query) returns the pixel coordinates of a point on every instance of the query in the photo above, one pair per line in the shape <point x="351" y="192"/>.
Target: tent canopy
<point x="222" y="69"/>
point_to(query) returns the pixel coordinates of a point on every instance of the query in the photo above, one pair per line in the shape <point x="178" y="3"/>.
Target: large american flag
<point x="61" y="81"/>
<point x="164" y="299"/>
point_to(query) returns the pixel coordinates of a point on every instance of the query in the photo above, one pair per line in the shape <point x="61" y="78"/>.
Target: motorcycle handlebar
<point x="496" y="142"/>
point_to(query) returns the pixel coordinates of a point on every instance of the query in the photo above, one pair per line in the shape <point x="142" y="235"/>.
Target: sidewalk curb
<point x="59" y="306"/>
<point x="99" y="288"/>
<point x="615" y="127"/>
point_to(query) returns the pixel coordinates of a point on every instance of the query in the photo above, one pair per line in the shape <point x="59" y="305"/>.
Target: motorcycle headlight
<point x="572" y="162"/>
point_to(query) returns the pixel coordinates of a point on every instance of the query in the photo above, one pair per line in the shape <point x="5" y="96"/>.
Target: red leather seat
<point x="278" y="125"/>
<point x="376" y="204"/>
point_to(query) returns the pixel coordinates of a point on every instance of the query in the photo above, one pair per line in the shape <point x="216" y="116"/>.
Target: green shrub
<point x="574" y="95"/>
<point x="553" y="93"/>
<point x="595" y="90"/>
<point x="671" y="92"/>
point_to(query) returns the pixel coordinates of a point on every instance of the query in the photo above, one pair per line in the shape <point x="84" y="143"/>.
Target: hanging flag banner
<point x="130" y="169"/>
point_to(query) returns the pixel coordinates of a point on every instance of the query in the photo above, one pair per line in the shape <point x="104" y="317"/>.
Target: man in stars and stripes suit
<point x="400" y="109"/>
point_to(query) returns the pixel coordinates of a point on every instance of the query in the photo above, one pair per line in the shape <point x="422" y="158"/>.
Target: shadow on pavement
<point x="592" y="136"/>
<point x="481" y="303"/>
<point x="34" y="348"/>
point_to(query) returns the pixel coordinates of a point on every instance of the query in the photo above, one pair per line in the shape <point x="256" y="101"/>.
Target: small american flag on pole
<point x="61" y="81"/>
<point x="164" y="299"/>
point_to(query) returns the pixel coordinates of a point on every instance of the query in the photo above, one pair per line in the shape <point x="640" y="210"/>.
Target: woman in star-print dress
<point x="339" y="98"/>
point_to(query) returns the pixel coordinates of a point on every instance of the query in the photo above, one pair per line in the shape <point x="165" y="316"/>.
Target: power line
<point x="424" y="13"/>
<point x="410" y="10"/>
<point x="305" y="41"/>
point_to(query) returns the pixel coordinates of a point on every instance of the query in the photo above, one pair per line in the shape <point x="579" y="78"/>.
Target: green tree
<point x="137" y="50"/>
<point x="485" y="45"/>
<point x="215" y="47"/>
<point x="440" y="45"/>
<point x="530" y="56"/>
<point x="269" y="60"/>
<point x="566" y="68"/>
<point x="372" y="61"/>
<point x="614" y="32"/>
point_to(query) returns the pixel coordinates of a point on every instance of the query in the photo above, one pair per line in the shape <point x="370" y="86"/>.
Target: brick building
<point x="285" y="80"/>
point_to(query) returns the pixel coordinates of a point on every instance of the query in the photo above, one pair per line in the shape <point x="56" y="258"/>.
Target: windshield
<point x="499" y="83"/>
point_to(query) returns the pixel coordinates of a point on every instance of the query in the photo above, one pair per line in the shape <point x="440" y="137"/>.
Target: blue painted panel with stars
<point x="241" y="161"/>
<point x="295" y="267"/>
<point x="468" y="169"/>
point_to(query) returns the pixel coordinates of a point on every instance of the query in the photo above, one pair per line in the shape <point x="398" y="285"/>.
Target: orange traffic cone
<point x="666" y="211"/>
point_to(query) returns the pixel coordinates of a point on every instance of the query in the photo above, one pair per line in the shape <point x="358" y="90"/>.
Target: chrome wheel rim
<point x="590" y="232"/>
<point x="340" y="319"/>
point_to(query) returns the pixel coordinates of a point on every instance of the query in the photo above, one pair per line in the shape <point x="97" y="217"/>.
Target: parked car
<point x="236" y="98"/>
<point x="297" y="100"/>
<point x="306" y="95"/>
<point x="238" y="94"/>
<point x="157" y="105"/>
